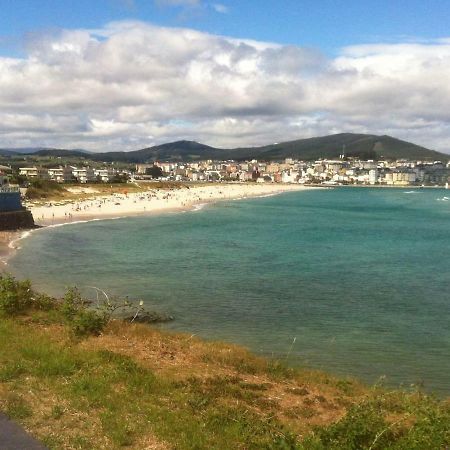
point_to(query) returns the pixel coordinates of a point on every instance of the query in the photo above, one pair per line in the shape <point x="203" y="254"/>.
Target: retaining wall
<point x="16" y="220"/>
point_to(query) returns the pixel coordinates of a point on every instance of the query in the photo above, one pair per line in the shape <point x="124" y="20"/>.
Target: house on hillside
<point x="40" y="173"/>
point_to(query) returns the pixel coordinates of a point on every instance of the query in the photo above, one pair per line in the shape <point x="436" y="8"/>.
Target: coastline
<point x="146" y="202"/>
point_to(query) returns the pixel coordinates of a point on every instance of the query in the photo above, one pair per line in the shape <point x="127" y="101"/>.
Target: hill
<point x="173" y="151"/>
<point x="41" y="151"/>
<point x="7" y="152"/>
<point x="365" y="146"/>
<point x="62" y="153"/>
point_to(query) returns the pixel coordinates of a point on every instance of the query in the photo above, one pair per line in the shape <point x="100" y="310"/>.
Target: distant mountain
<point x="42" y="151"/>
<point x="62" y="153"/>
<point x="7" y="152"/>
<point x="173" y="151"/>
<point x="365" y="146"/>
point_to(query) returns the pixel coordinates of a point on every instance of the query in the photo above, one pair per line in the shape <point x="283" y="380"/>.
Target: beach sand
<point x="147" y="202"/>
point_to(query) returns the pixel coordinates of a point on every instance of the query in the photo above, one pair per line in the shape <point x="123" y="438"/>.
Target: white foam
<point x="199" y="206"/>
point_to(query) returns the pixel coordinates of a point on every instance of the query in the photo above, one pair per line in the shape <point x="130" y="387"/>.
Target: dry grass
<point x="138" y="387"/>
<point x="181" y="356"/>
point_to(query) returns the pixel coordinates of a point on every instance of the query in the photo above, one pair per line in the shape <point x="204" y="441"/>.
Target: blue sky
<point x="325" y="24"/>
<point x="129" y="74"/>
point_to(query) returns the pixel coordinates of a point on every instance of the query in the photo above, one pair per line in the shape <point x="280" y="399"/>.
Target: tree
<point x="154" y="171"/>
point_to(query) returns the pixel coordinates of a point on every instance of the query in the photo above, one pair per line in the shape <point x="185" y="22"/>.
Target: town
<point x="342" y="171"/>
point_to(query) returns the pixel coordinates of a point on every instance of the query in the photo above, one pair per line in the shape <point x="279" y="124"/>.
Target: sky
<point x="127" y="74"/>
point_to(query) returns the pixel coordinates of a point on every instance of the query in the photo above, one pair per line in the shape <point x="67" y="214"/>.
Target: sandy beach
<point x="149" y="201"/>
<point x="146" y="202"/>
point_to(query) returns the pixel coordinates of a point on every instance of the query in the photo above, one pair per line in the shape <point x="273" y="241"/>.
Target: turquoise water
<point x="359" y="276"/>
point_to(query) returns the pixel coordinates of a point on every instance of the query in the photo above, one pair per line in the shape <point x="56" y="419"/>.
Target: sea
<point x="353" y="281"/>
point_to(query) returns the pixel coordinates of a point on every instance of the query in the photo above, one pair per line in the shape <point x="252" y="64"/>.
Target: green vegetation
<point x="364" y="146"/>
<point x="77" y="383"/>
<point x="44" y="189"/>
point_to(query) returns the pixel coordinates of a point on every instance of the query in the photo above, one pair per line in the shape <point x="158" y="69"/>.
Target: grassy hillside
<point x="173" y="151"/>
<point x="80" y="384"/>
<point x="360" y="145"/>
<point x="364" y="146"/>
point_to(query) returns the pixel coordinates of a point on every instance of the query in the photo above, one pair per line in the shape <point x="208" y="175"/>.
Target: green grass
<point x="127" y="398"/>
<point x="137" y="387"/>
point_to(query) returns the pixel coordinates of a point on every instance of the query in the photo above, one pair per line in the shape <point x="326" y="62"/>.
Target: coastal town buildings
<point x="344" y="171"/>
<point x="327" y="172"/>
<point x="71" y="174"/>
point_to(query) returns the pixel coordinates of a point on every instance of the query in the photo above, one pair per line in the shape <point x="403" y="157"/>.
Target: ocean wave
<point x="199" y="207"/>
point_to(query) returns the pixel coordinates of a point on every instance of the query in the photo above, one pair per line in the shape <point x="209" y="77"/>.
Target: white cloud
<point x="131" y="85"/>
<point x="178" y="2"/>
<point x="220" y="8"/>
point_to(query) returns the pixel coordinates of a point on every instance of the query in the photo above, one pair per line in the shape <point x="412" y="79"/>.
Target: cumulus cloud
<point x="130" y="85"/>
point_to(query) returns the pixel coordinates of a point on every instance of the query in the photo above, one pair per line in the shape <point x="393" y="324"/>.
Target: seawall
<point x="16" y="220"/>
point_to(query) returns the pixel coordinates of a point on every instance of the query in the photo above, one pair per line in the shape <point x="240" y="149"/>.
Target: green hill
<point x="173" y="151"/>
<point x="365" y="146"/>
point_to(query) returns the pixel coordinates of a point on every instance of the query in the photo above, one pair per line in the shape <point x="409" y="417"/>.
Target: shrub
<point x="43" y="188"/>
<point x="396" y="421"/>
<point x="15" y="296"/>
<point x="88" y="322"/>
<point x="43" y="302"/>
<point x="72" y="303"/>
<point x="82" y="320"/>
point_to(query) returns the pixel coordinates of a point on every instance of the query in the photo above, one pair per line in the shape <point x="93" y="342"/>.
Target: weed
<point x="11" y="370"/>
<point x="17" y="408"/>
<point x="57" y="412"/>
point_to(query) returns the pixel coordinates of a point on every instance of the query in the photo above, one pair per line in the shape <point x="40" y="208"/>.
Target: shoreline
<point x="148" y="202"/>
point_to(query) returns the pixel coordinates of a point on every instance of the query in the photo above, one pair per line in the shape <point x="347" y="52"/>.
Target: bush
<point x="43" y="302"/>
<point x="82" y="320"/>
<point x="43" y="188"/>
<point x="15" y="296"/>
<point x="88" y="322"/>
<point x="72" y="303"/>
<point x="396" y="421"/>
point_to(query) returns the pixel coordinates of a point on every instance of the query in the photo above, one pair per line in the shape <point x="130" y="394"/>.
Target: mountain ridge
<point x="364" y="146"/>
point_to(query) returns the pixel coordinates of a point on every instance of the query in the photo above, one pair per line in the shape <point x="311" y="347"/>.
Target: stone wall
<point x="16" y="220"/>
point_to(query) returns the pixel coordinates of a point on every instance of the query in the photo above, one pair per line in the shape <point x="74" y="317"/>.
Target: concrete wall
<point x="10" y="201"/>
<point x="16" y="220"/>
